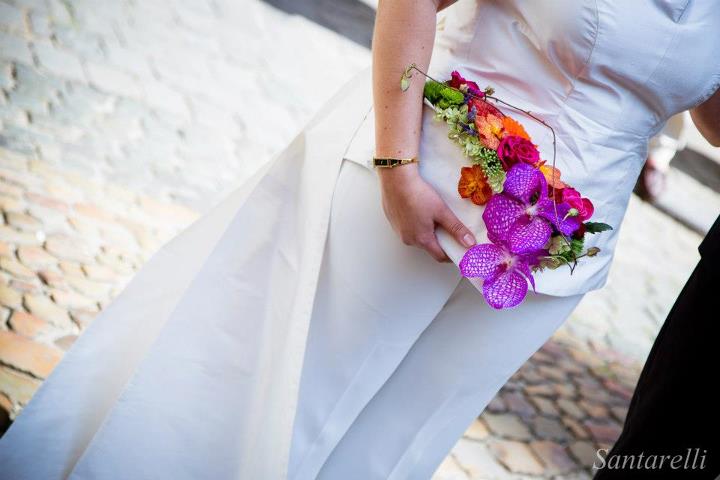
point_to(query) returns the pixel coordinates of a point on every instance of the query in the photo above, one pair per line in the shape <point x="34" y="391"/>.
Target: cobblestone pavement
<point x="122" y="121"/>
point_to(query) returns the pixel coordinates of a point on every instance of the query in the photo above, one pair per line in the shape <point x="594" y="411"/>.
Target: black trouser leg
<point x="676" y="404"/>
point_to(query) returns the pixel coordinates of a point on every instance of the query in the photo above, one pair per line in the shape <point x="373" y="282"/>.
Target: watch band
<point x="392" y="162"/>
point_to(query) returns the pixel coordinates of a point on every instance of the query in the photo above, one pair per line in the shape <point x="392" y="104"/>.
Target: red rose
<point x="514" y="149"/>
<point x="457" y="80"/>
<point x="584" y="206"/>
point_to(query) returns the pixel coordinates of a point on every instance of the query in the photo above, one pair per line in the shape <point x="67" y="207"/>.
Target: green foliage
<point x="465" y="135"/>
<point x="490" y="163"/>
<point x="558" y="245"/>
<point x="577" y="245"/>
<point x="441" y="95"/>
<point x="596" y="227"/>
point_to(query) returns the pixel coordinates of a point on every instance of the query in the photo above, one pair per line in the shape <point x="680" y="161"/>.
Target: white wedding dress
<point x="289" y="334"/>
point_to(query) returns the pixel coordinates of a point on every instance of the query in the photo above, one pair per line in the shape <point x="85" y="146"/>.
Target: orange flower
<point x="473" y="184"/>
<point x="490" y="129"/>
<point x="552" y="175"/>
<point x="512" y="127"/>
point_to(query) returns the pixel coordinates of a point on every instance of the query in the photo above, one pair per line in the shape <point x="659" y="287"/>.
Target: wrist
<point x="398" y="174"/>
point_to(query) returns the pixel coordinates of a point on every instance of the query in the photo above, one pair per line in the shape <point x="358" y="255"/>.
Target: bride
<point x="296" y="332"/>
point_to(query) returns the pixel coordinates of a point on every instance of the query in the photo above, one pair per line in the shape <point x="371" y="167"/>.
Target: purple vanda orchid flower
<point x="506" y="274"/>
<point x="522" y="215"/>
<point x="519" y="223"/>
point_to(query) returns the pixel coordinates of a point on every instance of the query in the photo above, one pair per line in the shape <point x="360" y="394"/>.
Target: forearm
<point x="404" y="34"/>
<point x="706" y="118"/>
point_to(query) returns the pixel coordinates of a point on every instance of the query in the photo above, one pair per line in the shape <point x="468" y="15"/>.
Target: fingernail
<point x="468" y="240"/>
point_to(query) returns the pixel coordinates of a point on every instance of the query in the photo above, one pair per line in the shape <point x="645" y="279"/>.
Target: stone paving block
<point x="86" y="45"/>
<point x="23" y="221"/>
<point x="12" y="18"/>
<point x="15" y="268"/>
<point x="5" y="249"/>
<point x="113" y="80"/>
<point x="10" y="204"/>
<point x="619" y="413"/>
<point x="542" y="389"/>
<point x="571" y="408"/>
<point x="60" y="12"/>
<point x="550" y="428"/>
<point x="34" y="90"/>
<point x="72" y="300"/>
<point x="163" y="97"/>
<point x="516" y="456"/>
<point x="25" y="286"/>
<point x="83" y="318"/>
<point x="507" y="425"/>
<point x="64" y="343"/>
<point x="19" y="238"/>
<point x="517" y="403"/>
<point x="545" y="406"/>
<point x="65" y="247"/>
<point x="552" y="372"/>
<point x="44" y="308"/>
<point x="90" y="288"/>
<point x="449" y="470"/>
<point x="595" y="410"/>
<point x="17" y="386"/>
<point x="606" y="432"/>
<point x="27" y="356"/>
<point x="565" y="389"/>
<point x="7" y="75"/>
<point x="554" y="457"/>
<point x="10" y="297"/>
<point x="40" y="25"/>
<point x="477" y="430"/>
<point x="585" y="453"/>
<point x="496" y="405"/>
<point x="58" y="61"/>
<point x="576" y="428"/>
<point x="27" y="325"/>
<point x="476" y="459"/>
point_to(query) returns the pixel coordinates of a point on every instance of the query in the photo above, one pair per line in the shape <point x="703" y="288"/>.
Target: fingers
<point x="431" y="245"/>
<point x="428" y="242"/>
<point x="447" y="219"/>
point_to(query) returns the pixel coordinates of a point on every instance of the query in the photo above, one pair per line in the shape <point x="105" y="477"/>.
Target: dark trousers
<point x="676" y="404"/>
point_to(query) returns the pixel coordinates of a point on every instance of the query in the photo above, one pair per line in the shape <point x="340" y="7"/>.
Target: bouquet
<point x="534" y="220"/>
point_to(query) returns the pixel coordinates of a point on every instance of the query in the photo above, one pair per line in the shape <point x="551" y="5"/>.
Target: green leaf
<point x="597" y="227"/>
<point x="577" y="245"/>
<point x="441" y="95"/>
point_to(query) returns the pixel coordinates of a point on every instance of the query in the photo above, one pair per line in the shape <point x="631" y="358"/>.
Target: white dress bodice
<point x="606" y="75"/>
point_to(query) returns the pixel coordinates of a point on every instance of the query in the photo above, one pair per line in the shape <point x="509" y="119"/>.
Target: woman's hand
<point x="404" y="34"/>
<point x="414" y="208"/>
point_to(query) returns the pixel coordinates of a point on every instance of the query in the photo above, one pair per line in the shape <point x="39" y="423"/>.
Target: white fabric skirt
<point x="385" y="395"/>
<point x="205" y="367"/>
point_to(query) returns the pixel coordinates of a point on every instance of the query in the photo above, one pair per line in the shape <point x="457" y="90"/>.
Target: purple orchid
<point x="506" y="274"/>
<point x="519" y="222"/>
<point x="522" y="216"/>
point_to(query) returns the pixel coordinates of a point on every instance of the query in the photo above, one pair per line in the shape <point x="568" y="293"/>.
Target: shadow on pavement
<point x="352" y="19"/>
